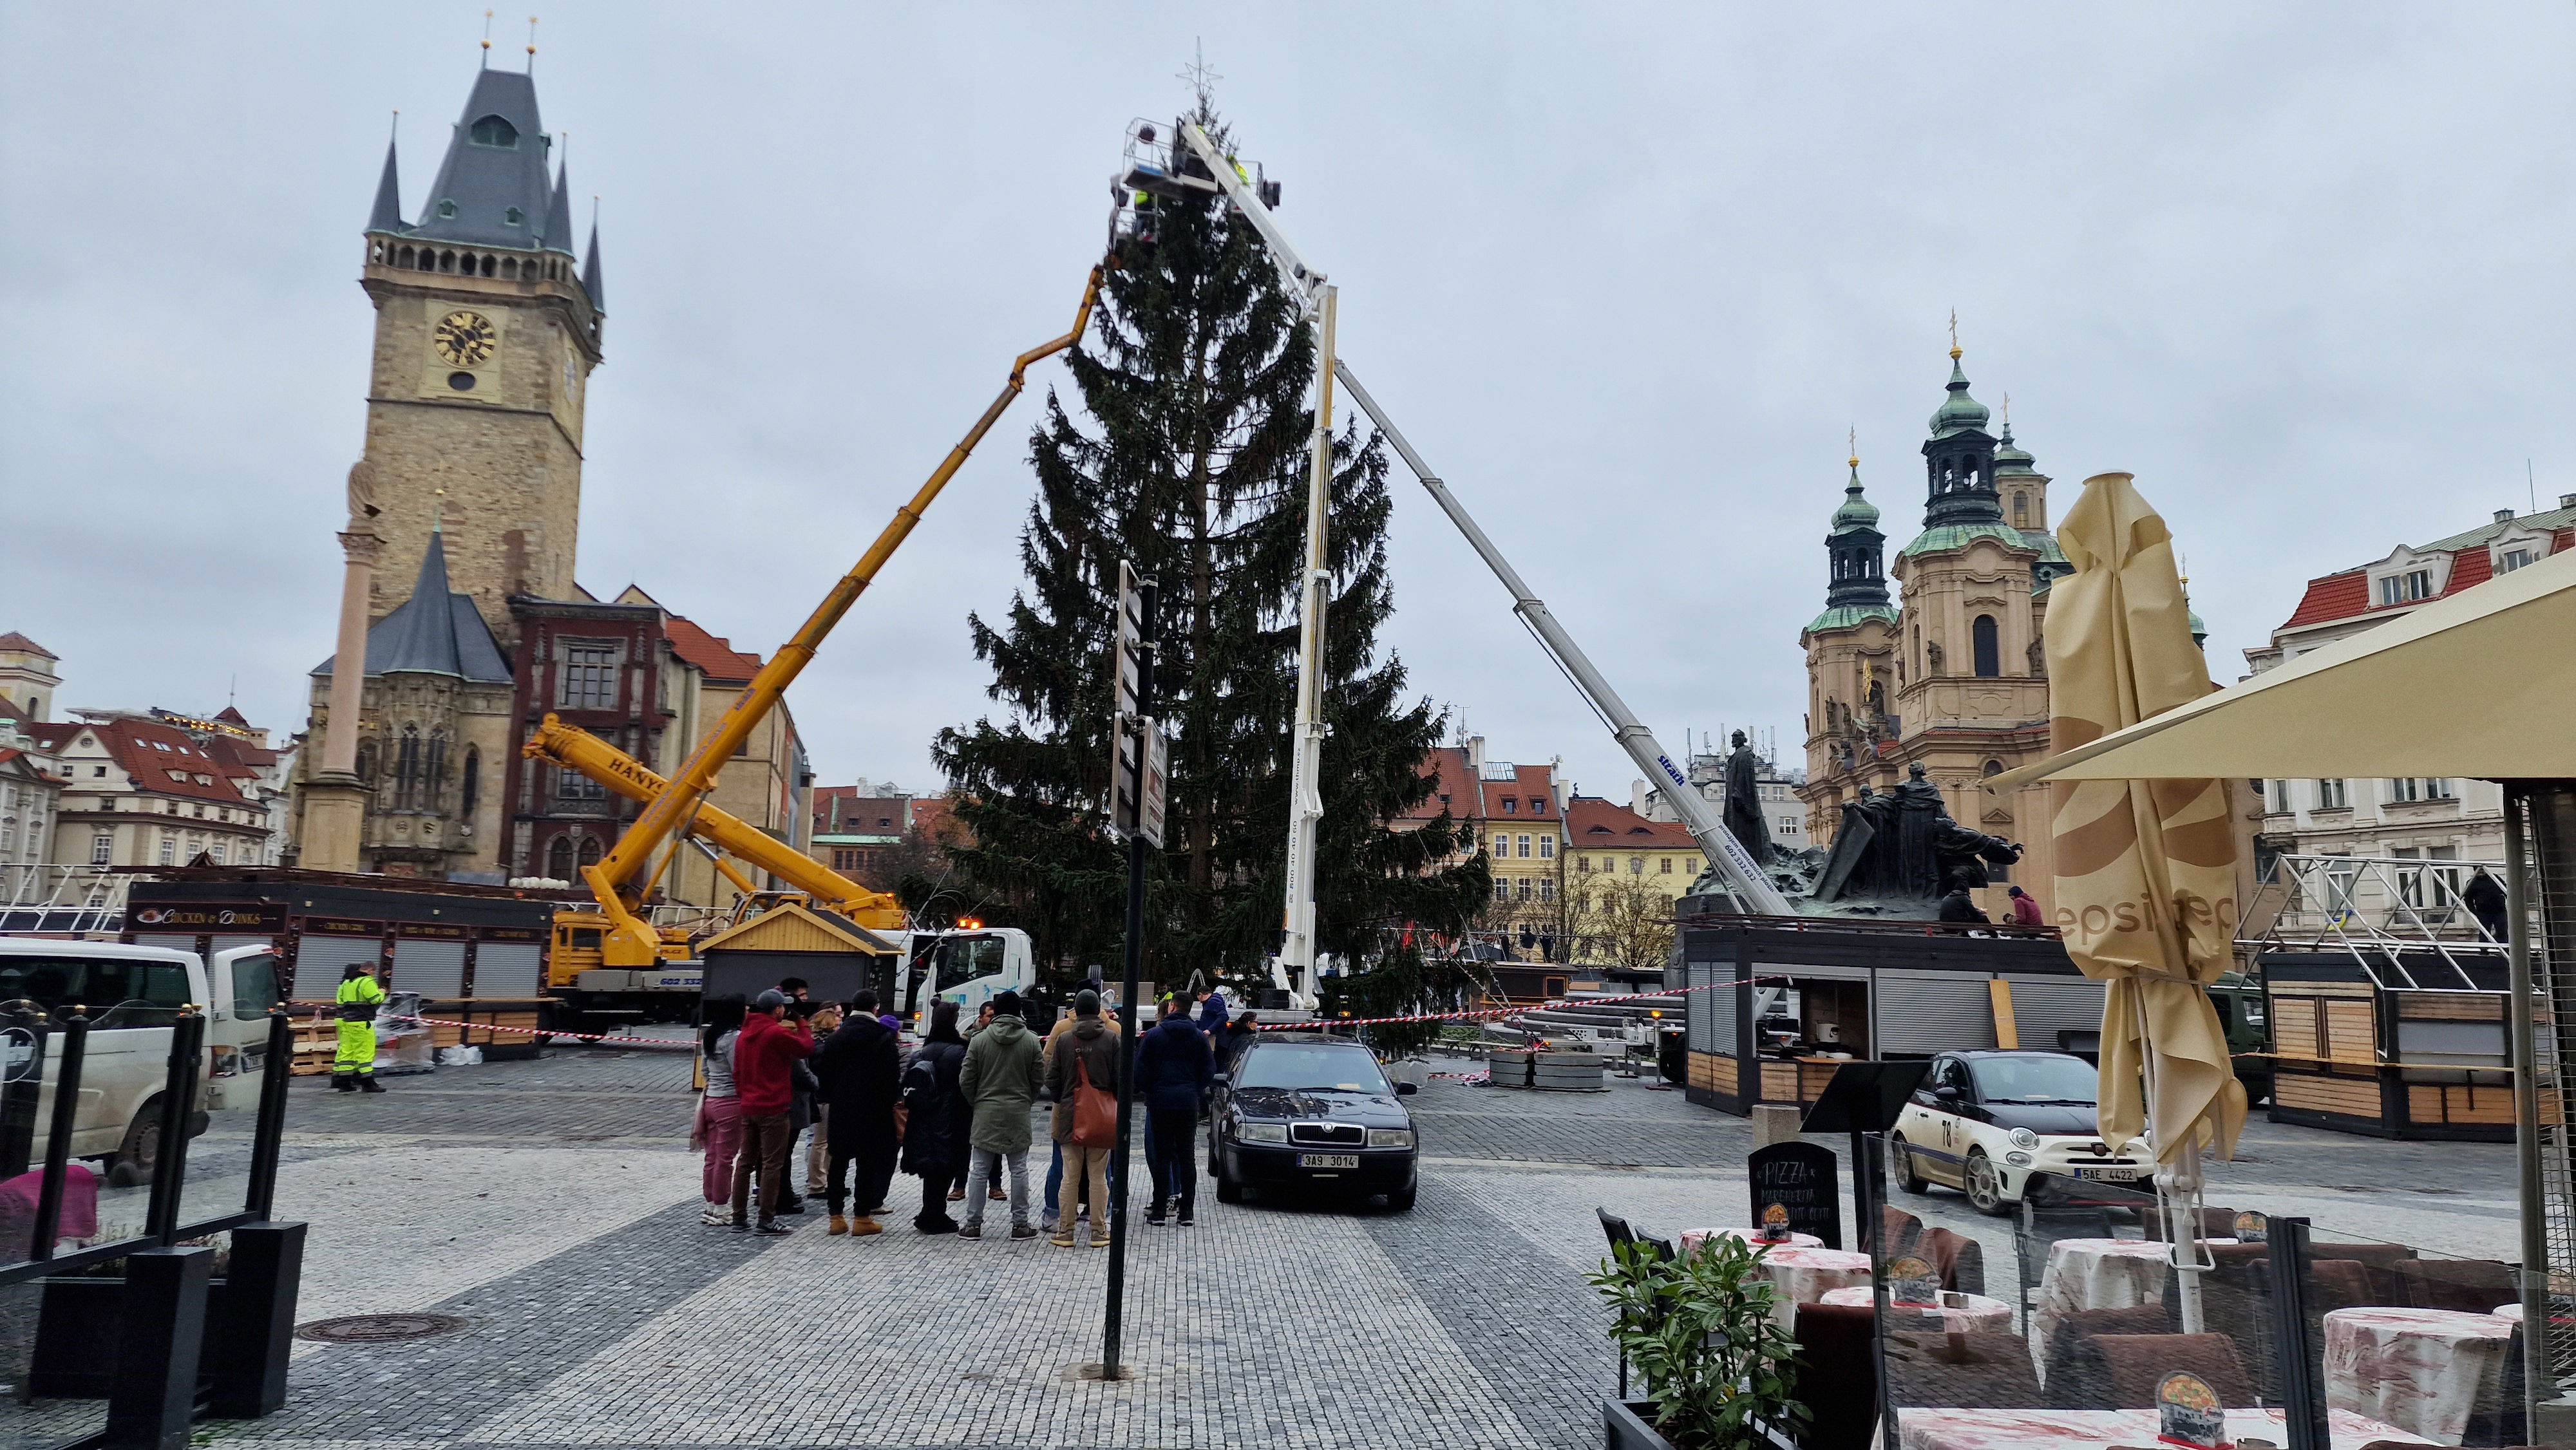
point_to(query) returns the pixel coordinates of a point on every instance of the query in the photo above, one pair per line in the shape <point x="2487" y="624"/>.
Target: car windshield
<point x="1318" y="1068"/>
<point x="2039" y="1077"/>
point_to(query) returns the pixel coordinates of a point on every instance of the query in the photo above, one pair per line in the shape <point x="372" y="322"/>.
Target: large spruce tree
<point x="1189" y="458"/>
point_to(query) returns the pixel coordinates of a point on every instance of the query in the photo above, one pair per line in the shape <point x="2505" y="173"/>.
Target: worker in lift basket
<point x="354" y="1069"/>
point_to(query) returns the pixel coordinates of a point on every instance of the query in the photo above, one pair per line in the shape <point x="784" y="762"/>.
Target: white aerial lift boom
<point x="1744" y="879"/>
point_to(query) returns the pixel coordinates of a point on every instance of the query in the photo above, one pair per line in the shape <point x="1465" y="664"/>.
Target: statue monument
<point x="1744" y="818"/>
<point x="1902" y="851"/>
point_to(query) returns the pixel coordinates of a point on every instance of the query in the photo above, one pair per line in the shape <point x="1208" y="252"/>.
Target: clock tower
<point x="486" y="331"/>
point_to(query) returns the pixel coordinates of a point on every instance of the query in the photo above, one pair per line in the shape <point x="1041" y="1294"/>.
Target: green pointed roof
<point x="1958" y="413"/>
<point x="2010" y="460"/>
<point x="1857" y="512"/>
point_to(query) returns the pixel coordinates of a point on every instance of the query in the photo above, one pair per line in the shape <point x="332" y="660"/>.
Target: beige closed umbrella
<point x="2145" y="869"/>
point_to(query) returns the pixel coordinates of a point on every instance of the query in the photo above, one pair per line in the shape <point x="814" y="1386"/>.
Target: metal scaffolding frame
<point x="2394" y="915"/>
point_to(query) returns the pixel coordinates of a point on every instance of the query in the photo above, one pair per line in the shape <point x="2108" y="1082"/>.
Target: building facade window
<point x="1989" y="652"/>
<point x="169" y="851"/>
<point x="1636" y="865"/>
<point x="587" y="679"/>
<point x="572" y="785"/>
<point x="1546" y="889"/>
<point x="589" y="851"/>
<point x="1511" y="805"/>
<point x="102" y="849"/>
<point x="407" y="769"/>
<point x="2331" y="795"/>
<point x="2513" y="559"/>
<point x="2406" y="588"/>
<point x="559" y="859"/>
<point x="1547" y="848"/>
<point x="2281" y="798"/>
<point x="1583" y="865"/>
<point x="1524" y="844"/>
<point x="433" y="784"/>
<point x="473" y="791"/>
<point x="1667" y="867"/>
<point x="1521" y="888"/>
<point x="1502" y="890"/>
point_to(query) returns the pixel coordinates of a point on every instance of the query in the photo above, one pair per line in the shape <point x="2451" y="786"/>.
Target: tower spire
<point x="590" y="262"/>
<point x="387" y="214"/>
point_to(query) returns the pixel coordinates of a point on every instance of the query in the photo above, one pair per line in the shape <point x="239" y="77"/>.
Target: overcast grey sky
<point x="1624" y="273"/>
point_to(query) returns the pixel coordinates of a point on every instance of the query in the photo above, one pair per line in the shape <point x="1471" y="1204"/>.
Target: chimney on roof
<point x="2567" y="500"/>
<point x="1637" y="796"/>
<point x="2504" y="516"/>
<point x="1476" y="756"/>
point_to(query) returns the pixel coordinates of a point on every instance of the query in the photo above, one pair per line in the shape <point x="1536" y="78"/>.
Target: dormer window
<point x="446" y="209"/>
<point x="493" y="131"/>
<point x="515" y="217"/>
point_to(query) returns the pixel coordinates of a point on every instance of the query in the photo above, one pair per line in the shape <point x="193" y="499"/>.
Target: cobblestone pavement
<point x="552" y="1204"/>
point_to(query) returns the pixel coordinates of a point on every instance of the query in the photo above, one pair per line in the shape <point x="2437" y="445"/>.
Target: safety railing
<point x="61" y="900"/>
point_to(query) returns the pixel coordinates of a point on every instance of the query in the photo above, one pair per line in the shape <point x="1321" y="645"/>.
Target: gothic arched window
<point x="433" y="775"/>
<point x="473" y="781"/>
<point x="407" y="769"/>
<point x="590" y="850"/>
<point x="1989" y="660"/>
<point x="559" y="859"/>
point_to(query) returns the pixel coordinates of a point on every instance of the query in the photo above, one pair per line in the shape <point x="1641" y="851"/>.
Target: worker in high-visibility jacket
<point x="354" y="1069"/>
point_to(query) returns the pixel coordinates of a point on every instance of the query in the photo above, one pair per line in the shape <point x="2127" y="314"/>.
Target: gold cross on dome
<point x="1954" y="334"/>
<point x="1852" y="438"/>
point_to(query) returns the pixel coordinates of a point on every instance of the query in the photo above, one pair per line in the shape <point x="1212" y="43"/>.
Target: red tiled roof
<point x="240" y="753"/>
<point x="2469" y="567"/>
<point x="1457" y="786"/>
<point x="714" y="654"/>
<point x="149" y="752"/>
<point x="231" y="716"/>
<point x="932" y="814"/>
<point x="1528" y="784"/>
<point x="13" y="640"/>
<point x="1595" y="823"/>
<point x="2336" y="596"/>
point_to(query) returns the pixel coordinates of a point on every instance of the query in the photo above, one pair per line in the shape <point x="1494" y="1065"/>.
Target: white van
<point x="131" y="994"/>
<point x="968" y="966"/>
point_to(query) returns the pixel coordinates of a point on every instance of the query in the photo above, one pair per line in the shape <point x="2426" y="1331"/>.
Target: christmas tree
<point x="1189" y="459"/>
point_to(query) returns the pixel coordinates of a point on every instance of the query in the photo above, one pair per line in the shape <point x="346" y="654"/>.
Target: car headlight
<point x="2017" y="1160"/>
<point x="1390" y="1137"/>
<point x="2024" y="1138"/>
<point x="1261" y="1132"/>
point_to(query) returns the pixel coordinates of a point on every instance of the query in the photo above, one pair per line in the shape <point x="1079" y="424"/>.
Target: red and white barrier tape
<point x="1498" y="1012"/>
<point x="687" y="1043"/>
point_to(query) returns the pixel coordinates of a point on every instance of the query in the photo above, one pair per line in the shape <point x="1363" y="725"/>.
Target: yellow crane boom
<point x="570" y="747"/>
<point x="630" y="941"/>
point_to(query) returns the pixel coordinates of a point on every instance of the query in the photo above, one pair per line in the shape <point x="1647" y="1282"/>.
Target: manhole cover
<point x="379" y="1328"/>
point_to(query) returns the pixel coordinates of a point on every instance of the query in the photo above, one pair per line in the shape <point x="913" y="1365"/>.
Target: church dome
<point x="1958" y="413"/>
<point x="2010" y="459"/>
<point x="1857" y="512"/>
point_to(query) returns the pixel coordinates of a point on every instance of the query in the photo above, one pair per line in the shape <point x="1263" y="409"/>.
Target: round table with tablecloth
<point x="1947" y="1429"/>
<point x="1973" y="1314"/>
<point x="1694" y="1237"/>
<point x="1804" y="1276"/>
<point x="2097" y="1274"/>
<point x="2422" y="1370"/>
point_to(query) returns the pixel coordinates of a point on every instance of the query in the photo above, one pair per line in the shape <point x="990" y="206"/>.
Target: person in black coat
<point x="2486" y="901"/>
<point x="859" y="1066"/>
<point x="1173" y="1067"/>
<point x="934" y="1137"/>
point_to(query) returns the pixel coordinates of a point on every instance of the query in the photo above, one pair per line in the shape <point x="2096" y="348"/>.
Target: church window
<point x="515" y="217"/>
<point x="407" y="769"/>
<point x="2021" y="510"/>
<point x="433" y="788"/>
<point x="461" y="381"/>
<point x="589" y="851"/>
<point x="405" y="257"/>
<point x="1989" y="659"/>
<point x="366" y="762"/>
<point x="486" y="268"/>
<point x="446" y="209"/>
<point x="510" y="267"/>
<point x="494" y="131"/>
<point x="473" y="780"/>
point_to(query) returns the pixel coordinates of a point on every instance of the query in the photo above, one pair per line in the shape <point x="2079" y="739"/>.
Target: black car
<point x="1303" y="1109"/>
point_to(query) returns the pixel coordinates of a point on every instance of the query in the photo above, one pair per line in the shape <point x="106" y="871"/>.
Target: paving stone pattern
<point x="553" y="1205"/>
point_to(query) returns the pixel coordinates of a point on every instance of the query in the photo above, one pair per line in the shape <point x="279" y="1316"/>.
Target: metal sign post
<point x="1136" y="813"/>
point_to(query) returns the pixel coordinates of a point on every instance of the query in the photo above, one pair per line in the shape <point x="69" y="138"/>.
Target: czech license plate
<point x="2108" y="1175"/>
<point x="1328" y="1160"/>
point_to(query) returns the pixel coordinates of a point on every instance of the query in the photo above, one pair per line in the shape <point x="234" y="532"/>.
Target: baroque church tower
<point x="468" y="493"/>
<point x="1952" y="675"/>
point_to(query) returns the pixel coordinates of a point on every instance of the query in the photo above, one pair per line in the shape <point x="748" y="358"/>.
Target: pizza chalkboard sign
<point x="1797" y="1178"/>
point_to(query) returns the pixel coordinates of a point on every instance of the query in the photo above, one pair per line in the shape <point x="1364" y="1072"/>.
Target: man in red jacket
<point x="762" y="1060"/>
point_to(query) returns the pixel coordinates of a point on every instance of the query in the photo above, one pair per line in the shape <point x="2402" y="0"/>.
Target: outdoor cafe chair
<point x="1837" y="1375"/>
<point x="2134" y="1364"/>
<point x="1962" y="1371"/>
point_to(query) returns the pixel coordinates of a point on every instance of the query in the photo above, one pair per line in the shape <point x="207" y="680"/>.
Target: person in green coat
<point x="353" y="1067"/>
<point x="1003" y="1076"/>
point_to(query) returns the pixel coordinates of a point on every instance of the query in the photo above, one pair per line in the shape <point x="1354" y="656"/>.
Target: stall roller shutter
<point x="507" y="969"/>
<point x="2046" y="1006"/>
<point x="431" y="968"/>
<point x="1711" y="1010"/>
<point x="319" y="960"/>
<point x="1929" y="1012"/>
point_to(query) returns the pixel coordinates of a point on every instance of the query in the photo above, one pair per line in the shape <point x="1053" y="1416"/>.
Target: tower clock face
<point x="465" y="339"/>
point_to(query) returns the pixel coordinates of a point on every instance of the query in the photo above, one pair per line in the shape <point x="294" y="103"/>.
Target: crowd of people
<point x="955" y="1112"/>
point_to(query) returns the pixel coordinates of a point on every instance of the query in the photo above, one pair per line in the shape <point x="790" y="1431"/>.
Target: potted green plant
<point x="1720" y="1373"/>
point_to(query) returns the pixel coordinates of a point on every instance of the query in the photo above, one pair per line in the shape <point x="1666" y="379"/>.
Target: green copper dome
<point x="1958" y="536"/>
<point x="1856" y="512"/>
<point x="2009" y="459"/>
<point x="1846" y="616"/>
<point x="1958" y="413"/>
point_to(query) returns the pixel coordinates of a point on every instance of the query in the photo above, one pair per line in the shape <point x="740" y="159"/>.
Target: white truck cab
<point x="131" y="995"/>
<point x="967" y="966"/>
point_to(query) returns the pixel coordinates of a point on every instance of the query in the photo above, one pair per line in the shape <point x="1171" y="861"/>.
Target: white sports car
<point x="2005" y="1126"/>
